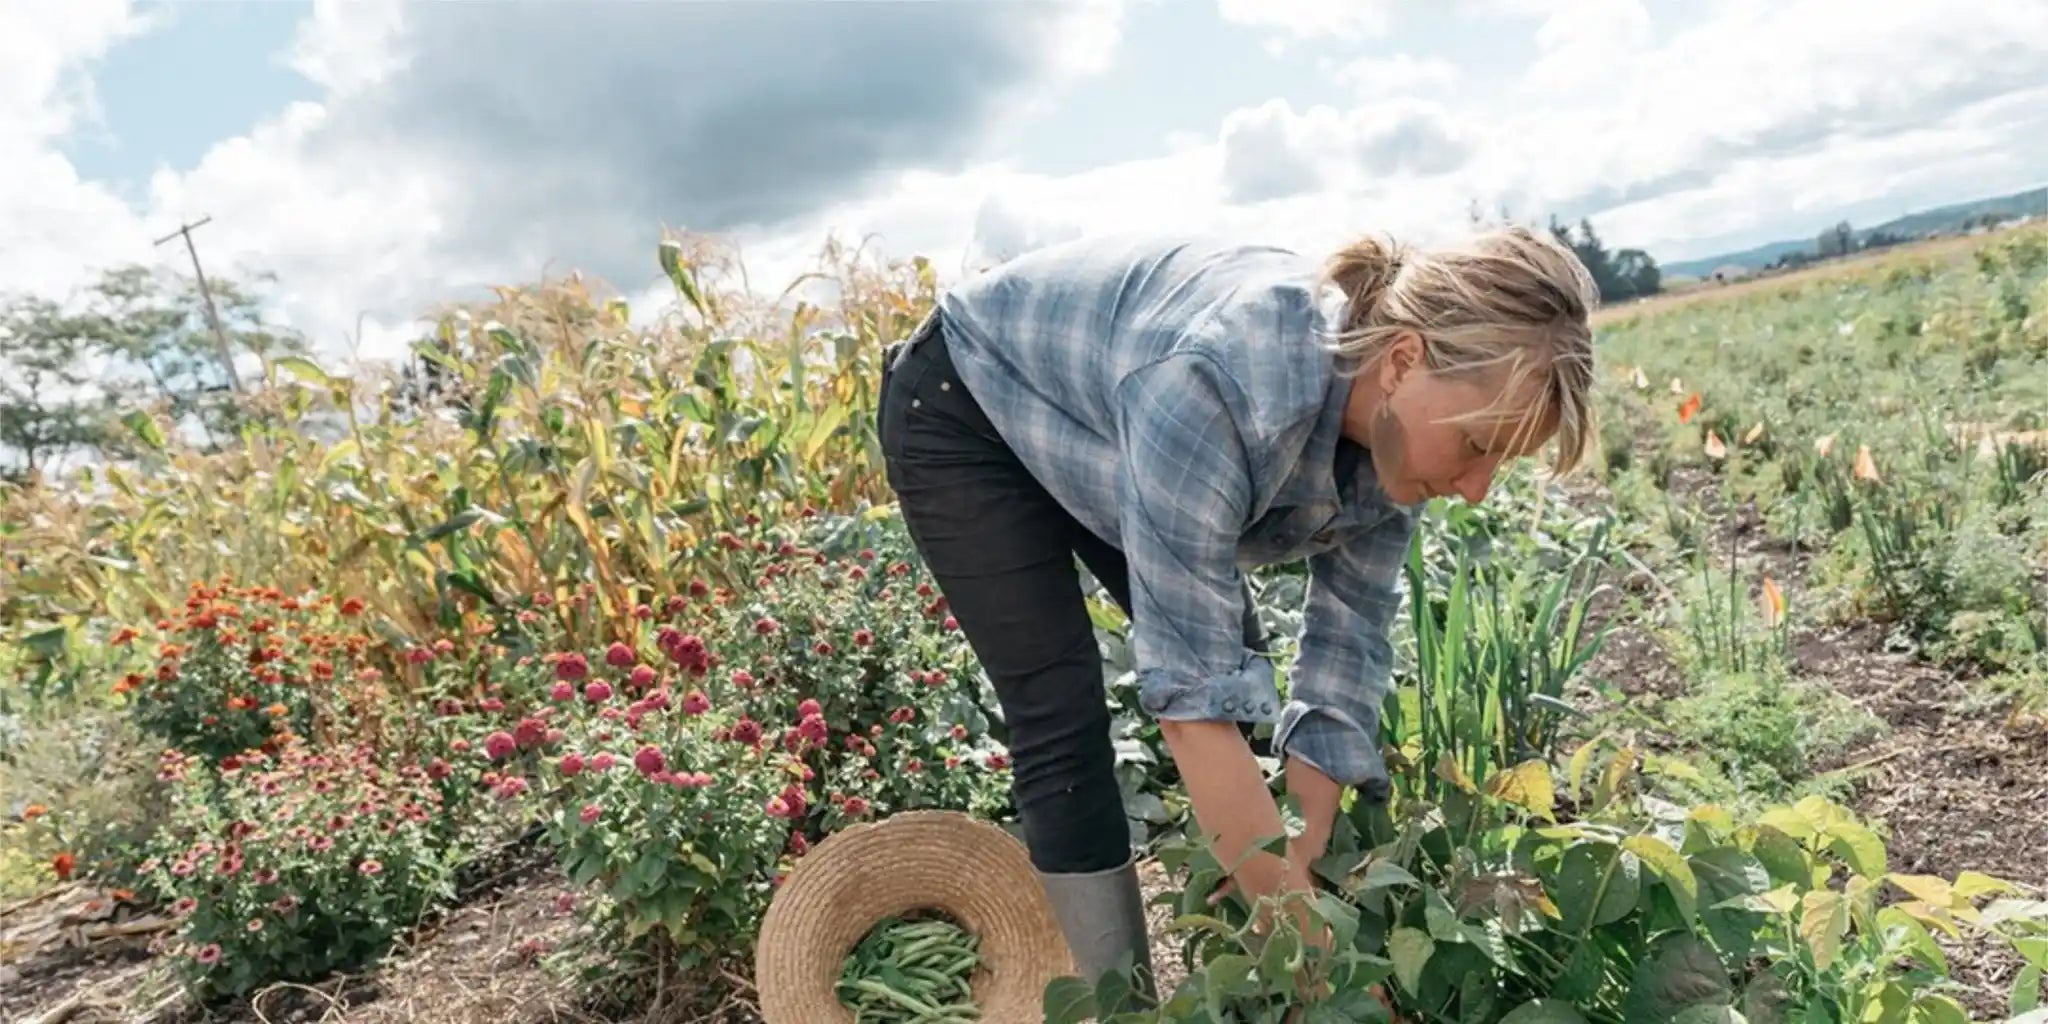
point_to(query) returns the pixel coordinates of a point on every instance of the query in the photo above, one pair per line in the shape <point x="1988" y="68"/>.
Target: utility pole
<point x="220" y="337"/>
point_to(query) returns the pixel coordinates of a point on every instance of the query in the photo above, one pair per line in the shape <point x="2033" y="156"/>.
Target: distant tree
<point x="1839" y="240"/>
<point x="1635" y="269"/>
<point x="47" y="403"/>
<point x="133" y="339"/>
<point x="1630" y="273"/>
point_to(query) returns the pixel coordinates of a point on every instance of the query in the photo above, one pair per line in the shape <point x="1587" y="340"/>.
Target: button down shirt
<point x="1176" y="396"/>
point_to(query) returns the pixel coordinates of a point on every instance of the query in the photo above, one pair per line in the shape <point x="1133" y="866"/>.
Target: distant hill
<point x="1913" y="225"/>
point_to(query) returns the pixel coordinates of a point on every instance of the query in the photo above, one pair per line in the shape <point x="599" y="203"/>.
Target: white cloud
<point x="1400" y="74"/>
<point x="51" y="221"/>
<point x="457" y="146"/>
<point x="1308" y="19"/>
<point x="1272" y="152"/>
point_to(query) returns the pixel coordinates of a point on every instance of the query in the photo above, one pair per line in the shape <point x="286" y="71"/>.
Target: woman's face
<point x="1426" y="441"/>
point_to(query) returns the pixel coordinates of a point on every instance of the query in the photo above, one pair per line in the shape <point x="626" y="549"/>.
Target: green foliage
<point x="688" y="766"/>
<point x="1489" y="907"/>
<point x="1495" y="644"/>
<point x="292" y="866"/>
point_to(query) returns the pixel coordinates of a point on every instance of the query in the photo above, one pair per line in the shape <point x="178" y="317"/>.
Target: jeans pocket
<point x="899" y="389"/>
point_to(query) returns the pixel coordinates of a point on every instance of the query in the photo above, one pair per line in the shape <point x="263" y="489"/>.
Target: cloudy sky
<point x="379" y="157"/>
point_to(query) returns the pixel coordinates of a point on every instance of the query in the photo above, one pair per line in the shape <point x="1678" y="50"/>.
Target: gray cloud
<point x="574" y="131"/>
<point x="1412" y="137"/>
<point x="1270" y="152"/>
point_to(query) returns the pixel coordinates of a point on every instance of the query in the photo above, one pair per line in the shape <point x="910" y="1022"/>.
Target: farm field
<point x="511" y="698"/>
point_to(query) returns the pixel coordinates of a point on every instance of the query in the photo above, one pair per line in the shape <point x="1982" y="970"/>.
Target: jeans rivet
<point x="916" y="403"/>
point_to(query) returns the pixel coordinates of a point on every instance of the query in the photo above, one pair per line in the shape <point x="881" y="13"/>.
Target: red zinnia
<point x="572" y="666"/>
<point x="619" y="655"/>
<point x="589" y="814"/>
<point x="649" y="760"/>
<point x="597" y="691"/>
<point x="572" y="764"/>
<point x="696" y="703"/>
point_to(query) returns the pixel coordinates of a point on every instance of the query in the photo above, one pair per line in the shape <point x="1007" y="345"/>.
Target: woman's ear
<point x="1403" y="354"/>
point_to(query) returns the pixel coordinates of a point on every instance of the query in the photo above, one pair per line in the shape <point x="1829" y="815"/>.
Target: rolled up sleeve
<point x="1343" y="668"/>
<point x="1183" y="489"/>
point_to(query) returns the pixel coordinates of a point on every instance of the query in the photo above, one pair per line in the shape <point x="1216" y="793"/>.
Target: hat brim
<point x="968" y="869"/>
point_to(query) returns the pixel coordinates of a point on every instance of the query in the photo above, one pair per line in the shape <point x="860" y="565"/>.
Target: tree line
<point x="78" y="377"/>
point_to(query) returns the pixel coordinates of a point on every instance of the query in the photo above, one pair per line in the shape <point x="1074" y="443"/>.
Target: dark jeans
<point x="1002" y="550"/>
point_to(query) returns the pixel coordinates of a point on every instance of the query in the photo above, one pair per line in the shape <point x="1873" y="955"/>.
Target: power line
<point x="220" y="337"/>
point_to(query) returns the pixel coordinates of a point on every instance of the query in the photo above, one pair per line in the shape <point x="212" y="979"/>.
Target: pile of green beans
<point x="912" y="972"/>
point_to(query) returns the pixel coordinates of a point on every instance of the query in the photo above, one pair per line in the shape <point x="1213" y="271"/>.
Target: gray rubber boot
<point x="1102" y="915"/>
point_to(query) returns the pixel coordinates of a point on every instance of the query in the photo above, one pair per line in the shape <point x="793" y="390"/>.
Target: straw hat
<point x="974" y="872"/>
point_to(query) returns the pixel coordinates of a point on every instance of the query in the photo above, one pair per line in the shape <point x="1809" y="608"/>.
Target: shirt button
<point x="1266" y="708"/>
<point x="917" y="403"/>
<point x="945" y="385"/>
<point x="1229" y="704"/>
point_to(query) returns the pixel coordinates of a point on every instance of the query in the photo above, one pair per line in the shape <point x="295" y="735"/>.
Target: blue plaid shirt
<point x="1174" y="395"/>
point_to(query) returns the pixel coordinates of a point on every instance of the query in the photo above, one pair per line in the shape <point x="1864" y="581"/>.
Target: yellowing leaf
<point x="1782" y="899"/>
<point x="1527" y="786"/>
<point x="1670" y="865"/>
<point x="1582" y="758"/>
<point x="1972" y="884"/>
<point x="1447" y="769"/>
<point x="1823" y="921"/>
<point x="1930" y="888"/>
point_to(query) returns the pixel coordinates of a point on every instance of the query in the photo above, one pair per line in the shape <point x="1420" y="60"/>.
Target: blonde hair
<point x="1508" y="296"/>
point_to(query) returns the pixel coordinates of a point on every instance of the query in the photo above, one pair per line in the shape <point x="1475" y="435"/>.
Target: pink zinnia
<point x="209" y="953"/>
<point x="777" y="808"/>
<point x="619" y="655"/>
<point x="572" y="764"/>
<point x="696" y="703"/>
<point x="499" y="744"/>
<point x="863" y="638"/>
<point x="602" y="762"/>
<point x="589" y="814"/>
<point x="743" y="679"/>
<point x="746" y="731"/>
<point x="572" y="666"/>
<point x="766" y="625"/>
<point x="649" y="760"/>
<point x="808" y="708"/>
<point x="370" y="867"/>
<point x="562" y="691"/>
<point x="642" y="677"/>
<point x="855" y="807"/>
<point x="597" y="691"/>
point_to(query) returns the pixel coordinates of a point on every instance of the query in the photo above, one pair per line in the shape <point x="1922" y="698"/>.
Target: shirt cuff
<point x="1246" y="695"/>
<point x="1339" y="746"/>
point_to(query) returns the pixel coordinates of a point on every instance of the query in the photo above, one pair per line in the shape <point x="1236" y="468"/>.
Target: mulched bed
<point x="1954" y="790"/>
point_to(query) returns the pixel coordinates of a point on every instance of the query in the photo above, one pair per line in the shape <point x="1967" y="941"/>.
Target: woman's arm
<point x="1183" y="491"/>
